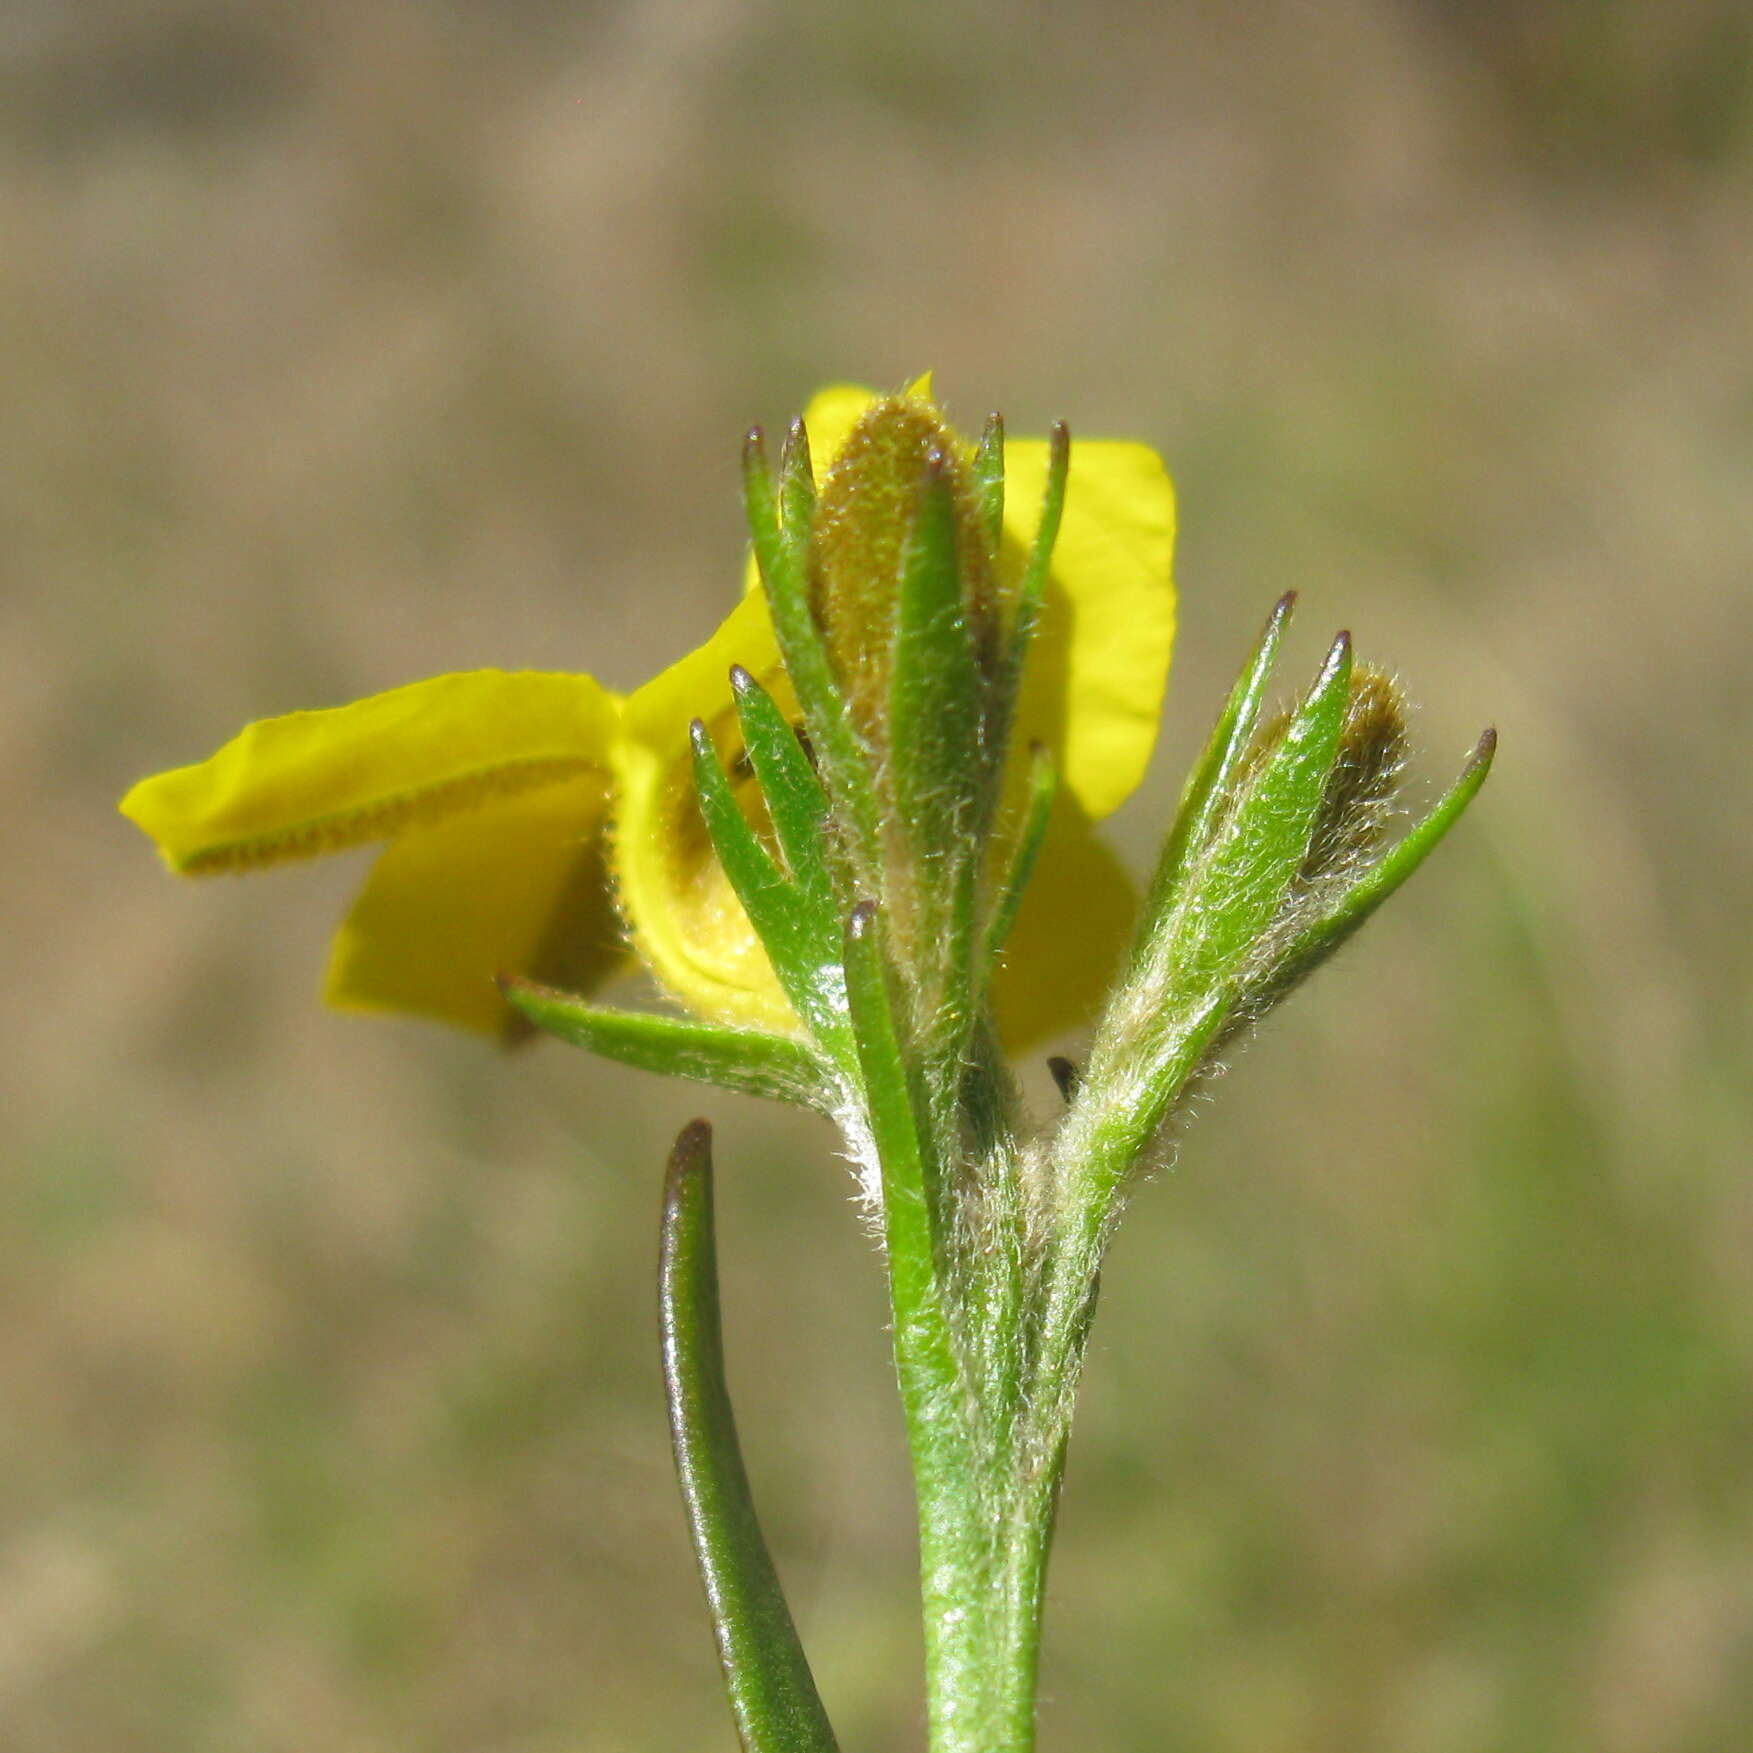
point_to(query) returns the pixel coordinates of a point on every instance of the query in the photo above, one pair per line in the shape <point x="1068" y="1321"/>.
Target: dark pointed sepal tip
<point x="797" y="440"/>
<point x="1338" y="657"/>
<point x="1282" y="610"/>
<point x="755" y="449"/>
<point x="740" y="679"/>
<point x="861" y="921"/>
<point x="1065" y="1075"/>
<point x="1484" y="751"/>
<point x="1058" y="445"/>
<point x="700" y="738"/>
<point x="690" y="1156"/>
<point x="993" y="430"/>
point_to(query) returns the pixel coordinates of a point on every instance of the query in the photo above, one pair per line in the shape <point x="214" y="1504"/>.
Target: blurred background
<point x="343" y="343"/>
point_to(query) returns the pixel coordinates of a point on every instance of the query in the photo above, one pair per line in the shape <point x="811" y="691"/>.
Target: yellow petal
<point x="1070" y="933"/>
<point x="1094" y="687"/>
<point x="315" y="782"/>
<point x="519" y="886"/>
<point x="687" y="923"/>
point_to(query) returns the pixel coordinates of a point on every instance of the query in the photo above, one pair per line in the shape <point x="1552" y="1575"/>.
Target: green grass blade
<point x="773" y="1695"/>
<point x="746" y="1060"/>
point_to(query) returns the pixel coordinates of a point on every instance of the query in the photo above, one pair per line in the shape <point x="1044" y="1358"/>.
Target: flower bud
<point x="898" y="499"/>
<point x="1358" y="799"/>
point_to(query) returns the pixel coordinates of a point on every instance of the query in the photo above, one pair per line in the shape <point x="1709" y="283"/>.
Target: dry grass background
<point x="341" y="343"/>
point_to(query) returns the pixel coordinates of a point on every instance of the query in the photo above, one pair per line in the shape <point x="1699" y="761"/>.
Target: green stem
<point x="983" y="1569"/>
<point x="987" y="1472"/>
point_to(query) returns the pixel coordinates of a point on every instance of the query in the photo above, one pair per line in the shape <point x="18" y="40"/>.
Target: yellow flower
<point x="528" y="815"/>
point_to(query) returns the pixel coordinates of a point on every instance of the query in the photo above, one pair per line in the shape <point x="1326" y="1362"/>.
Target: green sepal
<point x="987" y="478"/>
<point x="1208" y="790"/>
<point x="773" y="1695"/>
<point x="1307" y="951"/>
<point x="749" y="1061"/>
<point x="922" y="1343"/>
<point x="796" y="802"/>
<point x="799" y="943"/>
<point x="797" y="490"/>
<point x="1032" y="586"/>
<point x="1238" y="886"/>
<point x="1037" y="812"/>
<point x="782" y="553"/>
<point x="937" y="765"/>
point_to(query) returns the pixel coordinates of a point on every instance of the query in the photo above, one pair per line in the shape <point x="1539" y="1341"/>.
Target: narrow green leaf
<point x="800" y="946"/>
<point x="773" y="1695"/>
<point x="922" y="1344"/>
<point x="1319" y="940"/>
<point x="746" y="1060"/>
<point x="1207" y="790"/>
<point x="988" y="476"/>
<point x="795" y="799"/>
<point x="782" y="556"/>
<point x="1037" y="811"/>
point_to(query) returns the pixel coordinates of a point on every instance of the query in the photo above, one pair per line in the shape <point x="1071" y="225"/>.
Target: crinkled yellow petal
<point x="1070" y="933"/>
<point x="315" y="782"/>
<point x="519" y="886"/>
<point x="1093" y="691"/>
<point x="686" y="921"/>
